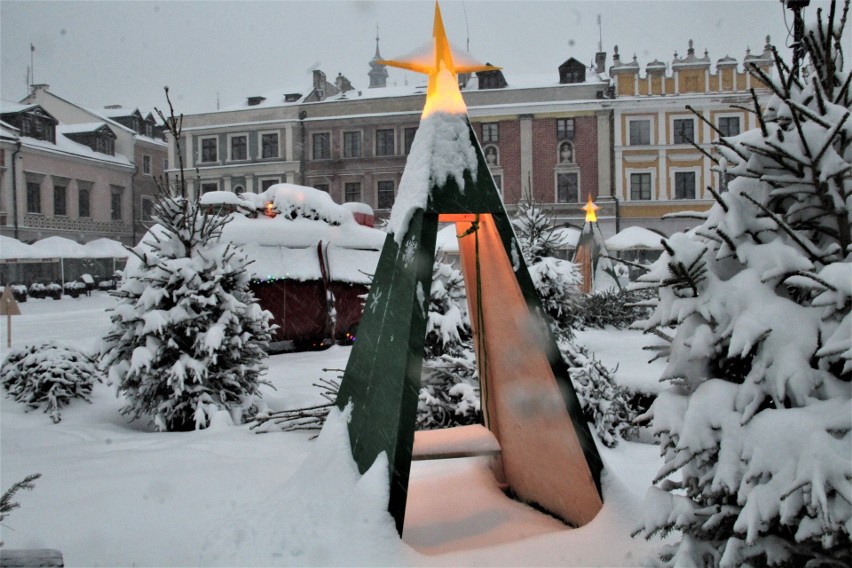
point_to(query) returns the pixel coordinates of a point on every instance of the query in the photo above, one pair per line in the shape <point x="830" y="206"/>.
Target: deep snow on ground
<point x="116" y="493"/>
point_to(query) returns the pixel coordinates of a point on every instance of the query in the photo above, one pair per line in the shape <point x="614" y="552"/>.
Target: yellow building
<point x="658" y="170"/>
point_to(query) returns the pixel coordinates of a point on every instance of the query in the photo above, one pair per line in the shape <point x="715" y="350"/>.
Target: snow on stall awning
<point x="568" y="236"/>
<point x="13" y="248"/>
<point x="633" y="238"/>
<point x="105" y="248"/>
<point x="59" y="247"/>
<point x="300" y="233"/>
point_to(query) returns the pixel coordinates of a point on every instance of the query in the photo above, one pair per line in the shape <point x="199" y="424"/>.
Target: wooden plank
<point x="459" y="442"/>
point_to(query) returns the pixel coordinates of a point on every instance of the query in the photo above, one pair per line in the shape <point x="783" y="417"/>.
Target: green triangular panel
<point x="382" y="377"/>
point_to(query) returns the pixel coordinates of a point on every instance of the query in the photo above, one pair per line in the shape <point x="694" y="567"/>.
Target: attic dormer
<point x="32" y="121"/>
<point x="572" y="71"/>
<point x="98" y="137"/>
<point x="491" y="79"/>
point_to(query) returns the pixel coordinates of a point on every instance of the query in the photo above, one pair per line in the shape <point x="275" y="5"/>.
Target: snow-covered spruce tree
<point x="449" y="393"/>
<point x="755" y="431"/>
<point x="557" y="281"/>
<point x="187" y="336"/>
<point x="48" y="373"/>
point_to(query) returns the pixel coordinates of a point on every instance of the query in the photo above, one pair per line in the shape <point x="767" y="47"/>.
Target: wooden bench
<point x="31" y="558"/>
<point x="458" y="442"/>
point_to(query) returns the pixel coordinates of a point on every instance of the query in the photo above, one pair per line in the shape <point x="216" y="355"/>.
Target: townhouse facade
<point x="136" y="135"/>
<point x="659" y="170"/>
<point x="61" y="180"/>
<point x="622" y="138"/>
<point x="546" y="136"/>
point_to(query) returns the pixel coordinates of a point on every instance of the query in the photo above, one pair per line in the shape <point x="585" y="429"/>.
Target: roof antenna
<point x="600" y="34"/>
<point x="466" y="29"/>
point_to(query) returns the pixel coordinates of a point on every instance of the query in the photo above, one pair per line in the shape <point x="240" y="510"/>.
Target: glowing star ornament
<point x="442" y="64"/>
<point x="591" y="211"/>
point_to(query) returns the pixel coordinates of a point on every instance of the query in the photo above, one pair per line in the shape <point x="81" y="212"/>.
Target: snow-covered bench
<point x="31" y="558"/>
<point x="459" y="442"/>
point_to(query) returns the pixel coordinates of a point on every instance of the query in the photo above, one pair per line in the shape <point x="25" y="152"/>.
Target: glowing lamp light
<point x="590" y="208"/>
<point x="269" y="210"/>
<point x="442" y="92"/>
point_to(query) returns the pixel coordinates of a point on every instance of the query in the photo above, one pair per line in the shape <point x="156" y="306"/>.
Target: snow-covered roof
<point x="65" y="145"/>
<point x="568" y="236"/>
<point x="633" y="238"/>
<point x="8" y="131"/>
<point x="105" y="248"/>
<point x="286" y="246"/>
<point x="13" y="248"/>
<point x="11" y="106"/>
<point x="58" y="247"/>
<point x="81" y="127"/>
<point x="224" y="198"/>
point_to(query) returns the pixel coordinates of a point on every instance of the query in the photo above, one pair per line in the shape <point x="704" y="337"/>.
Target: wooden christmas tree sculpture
<point x="548" y="456"/>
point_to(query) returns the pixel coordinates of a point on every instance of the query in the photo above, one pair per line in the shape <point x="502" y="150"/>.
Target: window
<point x="492" y="156"/>
<point x="384" y="142"/>
<point x="729" y="125"/>
<point x="239" y="147"/>
<point x="116" y="203"/>
<point x="322" y="145"/>
<point x="269" y="145"/>
<point x="351" y="144"/>
<point x="104" y="145"/>
<point x="267" y="183"/>
<point x="84" y="190"/>
<point x="564" y="128"/>
<point x="385" y="195"/>
<point x="208" y="150"/>
<point x="409" y="134"/>
<point x="209" y="186"/>
<point x="165" y="164"/>
<point x="60" y="202"/>
<point x="33" y="197"/>
<point x="684" y="185"/>
<point x="321" y="187"/>
<point x="147" y="208"/>
<point x="352" y="191"/>
<point x="684" y="131"/>
<point x="146" y="165"/>
<point x="490" y="132"/>
<point x="640" y="186"/>
<point x="640" y="132"/>
<point x="567" y="188"/>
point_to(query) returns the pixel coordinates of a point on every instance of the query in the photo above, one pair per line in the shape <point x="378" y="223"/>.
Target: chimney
<point x="600" y="62"/>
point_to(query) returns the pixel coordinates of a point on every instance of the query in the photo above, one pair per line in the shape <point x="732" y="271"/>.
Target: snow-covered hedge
<point x="48" y="374"/>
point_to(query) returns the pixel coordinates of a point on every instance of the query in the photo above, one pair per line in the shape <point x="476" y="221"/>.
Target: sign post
<point x="9" y="307"/>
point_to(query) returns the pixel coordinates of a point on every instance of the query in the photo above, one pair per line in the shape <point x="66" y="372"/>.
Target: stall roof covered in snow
<point x="633" y="238"/>
<point x="58" y="247"/>
<point x="13" y="248"/>
<point x="568" y="236"/>
<point x="286" y="246"/>
<point x="105" y="248"/>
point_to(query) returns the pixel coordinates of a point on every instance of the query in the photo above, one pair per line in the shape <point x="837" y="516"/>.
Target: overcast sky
<point x="118" y="52"/>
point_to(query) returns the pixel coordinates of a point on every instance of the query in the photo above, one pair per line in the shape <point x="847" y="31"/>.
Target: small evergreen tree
<point x="187" y="336"/>
<point x="449" y="393"/>
<point x="48" y="373"/>
<point x="557" y="281"/>
<point x="605" y="403"/>
<point x="756" y="430"/>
